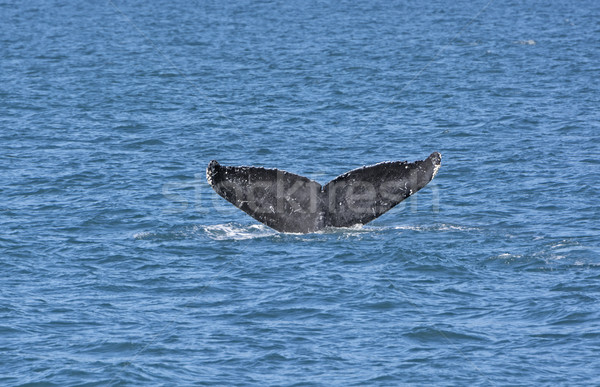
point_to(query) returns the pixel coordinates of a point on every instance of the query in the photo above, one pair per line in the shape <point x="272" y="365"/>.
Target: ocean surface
<point x="120" y="266"/>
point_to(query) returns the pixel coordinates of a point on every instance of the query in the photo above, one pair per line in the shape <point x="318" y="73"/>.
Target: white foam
<point x="436" y="227"/>
<point x="529" y="42"/>
<point x="143" y="235"/>
<point x="231" y="231"/>
<point x="507" y="255"/>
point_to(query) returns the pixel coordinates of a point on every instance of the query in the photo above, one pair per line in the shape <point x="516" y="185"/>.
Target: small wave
<point x="558" y="250"/>
<point x="144" y="143"/>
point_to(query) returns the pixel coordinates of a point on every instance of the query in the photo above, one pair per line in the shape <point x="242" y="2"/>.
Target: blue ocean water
<point x="120" y="266"/>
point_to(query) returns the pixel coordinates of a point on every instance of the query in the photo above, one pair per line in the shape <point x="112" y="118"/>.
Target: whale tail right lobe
<point x="363" y="194"/>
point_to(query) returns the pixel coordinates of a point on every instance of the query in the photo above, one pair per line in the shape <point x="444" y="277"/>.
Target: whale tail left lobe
<point x="281" y="200"/>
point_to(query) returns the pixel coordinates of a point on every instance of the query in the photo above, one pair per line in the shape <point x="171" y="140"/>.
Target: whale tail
<point x="288" y="202"/>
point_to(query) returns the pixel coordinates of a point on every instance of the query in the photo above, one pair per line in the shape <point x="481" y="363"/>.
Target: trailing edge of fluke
<point x="291" y="203"/>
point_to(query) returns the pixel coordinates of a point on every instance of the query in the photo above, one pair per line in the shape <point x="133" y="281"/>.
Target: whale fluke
<point x="288" y="202"/>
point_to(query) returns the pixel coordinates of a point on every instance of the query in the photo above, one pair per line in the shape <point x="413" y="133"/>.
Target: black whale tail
<point x="291" y="203"/>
